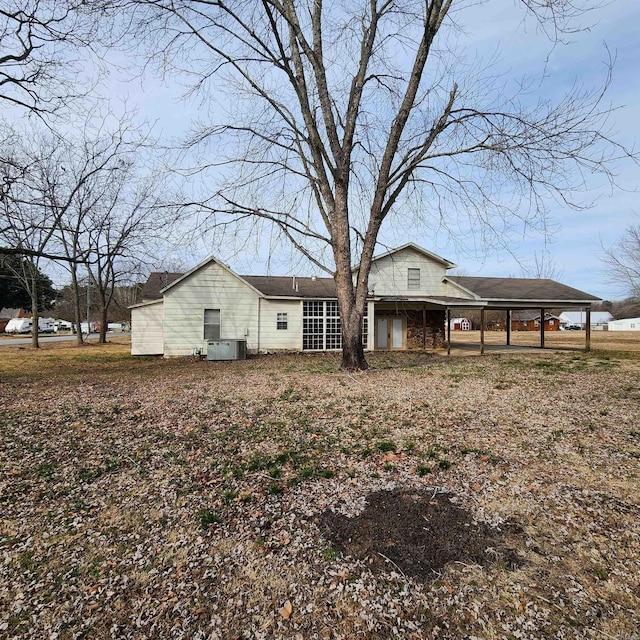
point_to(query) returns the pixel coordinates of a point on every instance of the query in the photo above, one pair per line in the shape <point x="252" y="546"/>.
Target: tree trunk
<point x="34" y="315"/>
<point x="77" y="313"/>
<point x="103" y="321"/>
<point x="352" y="350"/>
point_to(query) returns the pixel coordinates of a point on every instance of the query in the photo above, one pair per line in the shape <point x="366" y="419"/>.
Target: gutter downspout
<point x="259" y="325"/>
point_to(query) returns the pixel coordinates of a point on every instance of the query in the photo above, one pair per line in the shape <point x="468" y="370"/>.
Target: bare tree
<point x="342" y="116"/>
<point x="623" y="261"/>
<point x="120" y="233"/>
<point x="543" y="265"/>
<point x="38" y="46"/>
<point x="58" y="190"/>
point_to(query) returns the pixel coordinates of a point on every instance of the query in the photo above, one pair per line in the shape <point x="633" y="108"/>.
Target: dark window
<point x="212" y="324"/>
<point x="282" y="322"/>
<point x="413" y="279"/>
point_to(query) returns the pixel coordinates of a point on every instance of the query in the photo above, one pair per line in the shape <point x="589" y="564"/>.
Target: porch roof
<point x="522" y="292"/>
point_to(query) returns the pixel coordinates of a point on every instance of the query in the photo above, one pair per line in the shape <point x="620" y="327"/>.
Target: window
<point x="282" y="322"/>
<point x="413" y="279"/>
<point x="321" y="328"/>
<point x="551" y="323"/>
<point x="212" y="324"/>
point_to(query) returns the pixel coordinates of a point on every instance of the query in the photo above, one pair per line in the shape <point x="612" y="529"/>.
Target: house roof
<point x="521" y="289"/>
<point x="158" y="280"/>
<point x="527" y="316"/>
<point x="7" y="313"/>
<point x="290" y="287"/>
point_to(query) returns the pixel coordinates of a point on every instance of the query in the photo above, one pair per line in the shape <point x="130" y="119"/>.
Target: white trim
<point x="148" y="303"/>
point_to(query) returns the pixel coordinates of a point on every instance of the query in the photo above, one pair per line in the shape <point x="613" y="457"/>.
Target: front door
<point x="390" y="333"/>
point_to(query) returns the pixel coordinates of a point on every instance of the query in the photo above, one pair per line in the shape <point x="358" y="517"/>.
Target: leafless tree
<point x="622" y="261"/>
<point x="342" y="115"/>
<point x="78" y="201"/>
<point x="121" y="231"/>
<point x="39" y="64"/>
<point x="543" y="265"/>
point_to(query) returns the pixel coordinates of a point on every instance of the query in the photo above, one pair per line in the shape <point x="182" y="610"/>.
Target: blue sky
<point x="494" y="28"/>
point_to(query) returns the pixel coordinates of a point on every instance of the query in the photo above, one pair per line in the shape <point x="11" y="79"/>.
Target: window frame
<point x="282" y="321"/>
<point x="413" y="278"/>
<point x="211" y="325"/>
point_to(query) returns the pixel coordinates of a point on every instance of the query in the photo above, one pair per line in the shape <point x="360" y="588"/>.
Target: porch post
<point x="508" y="327"/>
<point x="482" y="318"/>
<point x="424" y="327"/>
<point x="448" y="315"/>
<point x="542" y="328"/>
<point x="587" y="335"/>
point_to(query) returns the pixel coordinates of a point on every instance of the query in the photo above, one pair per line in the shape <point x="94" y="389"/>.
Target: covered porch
<point x="425" y="324"/>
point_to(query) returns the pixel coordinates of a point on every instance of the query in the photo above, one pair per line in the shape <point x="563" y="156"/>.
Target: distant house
<point x="626" y="324"/>
<point x="410" y="298"/>
<point x="599" y="319"/>
<point x="460" y="324"/>
<point x="7" y="314"/>
<point x="530" y="321"/>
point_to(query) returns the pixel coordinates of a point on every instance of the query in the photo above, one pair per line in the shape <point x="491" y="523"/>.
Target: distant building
<point x="599" y="319"/>
<point x="626" y="324"/>
<point x="530" y="321"/>
<point x="460" y="324"/>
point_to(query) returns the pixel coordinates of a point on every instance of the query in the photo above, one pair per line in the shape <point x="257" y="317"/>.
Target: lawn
<point x="430" y="497"/>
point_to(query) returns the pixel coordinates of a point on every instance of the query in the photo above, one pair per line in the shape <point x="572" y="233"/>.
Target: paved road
<point x="18" y="341"/>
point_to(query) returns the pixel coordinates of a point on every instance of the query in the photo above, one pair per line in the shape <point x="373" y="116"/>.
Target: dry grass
<point x="147" y="498"/>
<point x="622" y="341"/>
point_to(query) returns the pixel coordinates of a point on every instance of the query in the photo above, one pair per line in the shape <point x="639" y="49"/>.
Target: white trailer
<point x="18" y="325"/>
<point x="23" y="325"/>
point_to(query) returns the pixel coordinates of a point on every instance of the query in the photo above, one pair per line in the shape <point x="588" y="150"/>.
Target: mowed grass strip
<point x="183" y="498"/>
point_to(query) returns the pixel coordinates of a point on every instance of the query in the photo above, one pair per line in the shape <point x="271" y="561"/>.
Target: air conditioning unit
<point x="227" y="350"/>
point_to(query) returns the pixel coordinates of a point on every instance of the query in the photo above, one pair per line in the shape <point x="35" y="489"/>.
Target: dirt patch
<point x="419" y="533"/>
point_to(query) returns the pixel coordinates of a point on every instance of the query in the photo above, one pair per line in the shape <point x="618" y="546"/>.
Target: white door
<point x="396" y="334"/>
<point x="381" y="333"/>
<point x="389" y="333"/>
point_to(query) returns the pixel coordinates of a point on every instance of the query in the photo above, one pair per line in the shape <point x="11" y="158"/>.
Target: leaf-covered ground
<point x="144" y="498"/>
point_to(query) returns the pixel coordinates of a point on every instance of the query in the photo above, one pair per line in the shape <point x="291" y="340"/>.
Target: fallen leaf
<point x="286" y="610"/>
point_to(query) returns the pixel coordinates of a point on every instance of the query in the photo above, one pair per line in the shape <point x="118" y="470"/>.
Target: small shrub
<point x="274" y="489"/>
<point x="209" y="517"/>
<point x="423" y="470"/>
<point x="386" y="445"/>
<point x="444" y="464"/>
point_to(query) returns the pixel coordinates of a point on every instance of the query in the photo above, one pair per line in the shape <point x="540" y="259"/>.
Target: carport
<point x="517" y="294"/>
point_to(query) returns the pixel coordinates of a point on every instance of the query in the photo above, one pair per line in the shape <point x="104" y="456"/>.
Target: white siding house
<point x="146" y="329"/>
<point x="210" y="290"/>
<point x="409" y="271"/>
<point x="626" y="324"/>
<point x="408" y="299"/>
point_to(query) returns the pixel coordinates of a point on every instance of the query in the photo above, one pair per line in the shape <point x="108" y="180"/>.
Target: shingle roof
<point x="293" y="287"/>
<point x="158" y="280"/>
<point x="280" y="286"/>
<point x="520" y="289"/>
<point x="527" y="316"/>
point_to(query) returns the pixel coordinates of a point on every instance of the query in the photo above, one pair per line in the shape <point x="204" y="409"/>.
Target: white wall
<point x="211" y="287"/>
<point x="272" y="338"/>
<point x="628" y="324"/>
<point x="388" y="275"/>
<point x="146" y="330"/>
